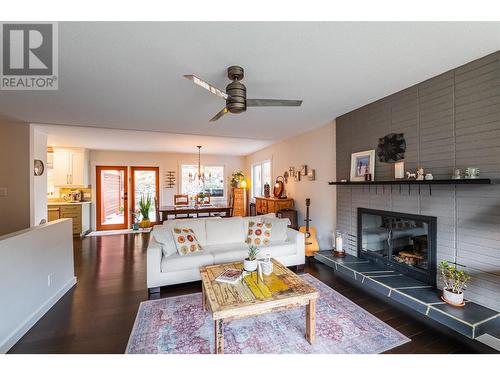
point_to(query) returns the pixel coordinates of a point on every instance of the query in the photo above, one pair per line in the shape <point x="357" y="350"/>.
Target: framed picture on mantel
<point x="362" y="163"/>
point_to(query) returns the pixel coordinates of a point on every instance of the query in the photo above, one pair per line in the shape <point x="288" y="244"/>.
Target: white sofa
<point x="222" y="241"/>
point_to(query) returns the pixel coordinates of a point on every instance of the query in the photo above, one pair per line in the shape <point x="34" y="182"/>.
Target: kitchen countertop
<point x="67" y="203"/>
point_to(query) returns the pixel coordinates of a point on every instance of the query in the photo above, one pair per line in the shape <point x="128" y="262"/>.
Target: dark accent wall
<point x="449" y="121"/>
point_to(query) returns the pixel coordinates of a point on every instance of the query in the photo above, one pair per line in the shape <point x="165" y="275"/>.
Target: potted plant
<point x="236" y="178"/>
<point x="145" y="204"/>
<point x="136" y="216"/>
<point x="250" y="262"/>
<point x="455" y="282"/>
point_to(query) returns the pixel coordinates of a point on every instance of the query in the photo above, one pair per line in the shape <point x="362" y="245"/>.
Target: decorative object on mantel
<point x="38" y="167"/>
<point x="170" y="179"/>
<point x="411" y="176"/>
<point x="457" y="174"/>
<point x="279" y="188"/>
<point x="429" y="176"/>
<point x="338" y="249"/>
<point x="311" y="175"/>
<point x="362" y="163"/>
<point x="455" y="282"/>
<point x="391" y="148"/>
<point x="420" y="174"/>
<point x="236" y="178"/>
<point x="267" y="190"/>
<point x="399" y="170"/>
<point x="472" y="172"/>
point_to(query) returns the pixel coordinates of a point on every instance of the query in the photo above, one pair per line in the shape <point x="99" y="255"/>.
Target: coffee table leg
<point x="311" y="321"/>
<point x="203" y="297"/>
<point x="219" y="336"/>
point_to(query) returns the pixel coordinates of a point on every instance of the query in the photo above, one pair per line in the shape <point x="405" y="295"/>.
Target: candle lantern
<point x="339" y="244"/>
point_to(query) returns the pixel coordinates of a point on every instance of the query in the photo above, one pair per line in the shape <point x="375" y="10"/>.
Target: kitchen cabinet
<point x="70" y="167"/>
<point x="79" y="213"/>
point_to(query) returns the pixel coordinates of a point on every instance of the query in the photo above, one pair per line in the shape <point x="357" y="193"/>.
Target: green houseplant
<point x="236" y="178"/>
<point x="455" y="282"/>
<point x="145" y="204"/>
<point x="250" y="262"/>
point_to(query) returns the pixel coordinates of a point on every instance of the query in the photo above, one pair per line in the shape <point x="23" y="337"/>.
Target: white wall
<point x="316" y="149"/>
<point x="15" y="179"/>
<point x="166" y="162"/>
<point x="38" y="140"/>
<point x="28" y="259"/>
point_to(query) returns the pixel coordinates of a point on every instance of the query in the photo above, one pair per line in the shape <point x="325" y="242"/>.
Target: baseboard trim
<point x="35" y="317"/>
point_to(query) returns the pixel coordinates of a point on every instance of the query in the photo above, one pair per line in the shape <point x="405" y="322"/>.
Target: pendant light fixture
<point x="200" y="175"/>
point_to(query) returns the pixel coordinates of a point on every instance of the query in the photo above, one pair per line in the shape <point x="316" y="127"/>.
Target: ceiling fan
<point x="236" y="94"/>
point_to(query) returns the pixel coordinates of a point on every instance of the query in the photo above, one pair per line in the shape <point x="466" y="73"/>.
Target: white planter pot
<point x="453" y="298"/>
<point x="250" y="265"/>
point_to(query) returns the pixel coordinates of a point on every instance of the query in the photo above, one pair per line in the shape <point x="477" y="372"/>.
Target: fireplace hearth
<point x="405" y="242"/>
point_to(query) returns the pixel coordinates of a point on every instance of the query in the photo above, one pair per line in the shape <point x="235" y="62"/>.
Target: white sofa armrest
<point x="153" y="262"/>
<point x="299" y="239"/>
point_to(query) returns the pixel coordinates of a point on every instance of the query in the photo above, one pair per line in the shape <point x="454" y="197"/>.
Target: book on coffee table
<point x="230" y="276"/>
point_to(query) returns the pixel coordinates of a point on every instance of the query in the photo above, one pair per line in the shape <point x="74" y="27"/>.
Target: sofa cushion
<point x="255" y="219"/>
<point x="185" y="240"/>
<point x="197" y="225"/>
<point x="276" y="249"/>
<point x="229" y="230"/>
<point x="163" y="235"/>
<point x="259" y="234"/>
<point x="178" y="262"/>
<point x="278" y="233"/>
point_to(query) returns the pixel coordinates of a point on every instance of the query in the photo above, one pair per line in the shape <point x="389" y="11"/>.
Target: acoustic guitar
<point x="310" y="233"/>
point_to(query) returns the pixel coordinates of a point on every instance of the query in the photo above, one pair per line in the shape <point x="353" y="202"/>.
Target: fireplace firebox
<point x="405" y="242"/>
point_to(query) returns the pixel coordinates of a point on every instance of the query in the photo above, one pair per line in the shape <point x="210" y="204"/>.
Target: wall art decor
<point x="297" y="176"/>
<point x="311" y="175"/>
<point x="362" y="163"/>
<point x="170" y="179"/>
<point x="399" y="170"/>
<point x="391" y="148"/>
<point x="303" y="170"/>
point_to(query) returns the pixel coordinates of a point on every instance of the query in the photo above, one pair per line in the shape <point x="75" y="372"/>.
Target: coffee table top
<point x="252" y="296"/>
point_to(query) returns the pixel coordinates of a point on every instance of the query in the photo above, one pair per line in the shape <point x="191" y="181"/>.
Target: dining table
<point x="192" y="211"/>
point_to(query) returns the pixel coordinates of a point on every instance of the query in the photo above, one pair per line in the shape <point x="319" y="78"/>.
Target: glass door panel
<point x="111" y="194"/>
<point x="145" y="182"/>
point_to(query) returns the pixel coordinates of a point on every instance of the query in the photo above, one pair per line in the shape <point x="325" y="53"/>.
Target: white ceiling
<point x="135" y="140"/>
<point x="128" y="75"/>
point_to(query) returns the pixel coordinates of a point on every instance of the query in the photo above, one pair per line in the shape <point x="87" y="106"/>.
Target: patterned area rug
<point x="179" y="325"/>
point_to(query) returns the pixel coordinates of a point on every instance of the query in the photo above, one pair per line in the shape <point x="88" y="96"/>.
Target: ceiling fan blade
<point x="222" y="112"/>
<point x="273" y="103"/>
<point x="206" y="86"/>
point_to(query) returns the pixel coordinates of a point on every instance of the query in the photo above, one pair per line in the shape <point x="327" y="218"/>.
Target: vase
<point x="145" y="223"/>
<point x="249" y="265"/>
<point x="455" y="299"/>
<point x="135" y="226"/>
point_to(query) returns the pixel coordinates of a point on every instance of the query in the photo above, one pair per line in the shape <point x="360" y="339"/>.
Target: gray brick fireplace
<point x="449" y="121"/>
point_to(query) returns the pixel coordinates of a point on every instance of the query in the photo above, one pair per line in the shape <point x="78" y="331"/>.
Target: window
<point x="214" y="186"/>
<point x="261" y="174"/>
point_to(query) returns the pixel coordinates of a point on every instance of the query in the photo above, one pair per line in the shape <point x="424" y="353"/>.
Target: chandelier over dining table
<point x="200" y="175"/>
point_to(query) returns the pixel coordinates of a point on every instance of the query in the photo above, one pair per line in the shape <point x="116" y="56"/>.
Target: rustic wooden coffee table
<point x="279" y="291"/>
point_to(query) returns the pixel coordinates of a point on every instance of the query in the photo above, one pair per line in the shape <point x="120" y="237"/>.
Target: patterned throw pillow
<point x="259" y="234"/>
<point x="185" y="241"/>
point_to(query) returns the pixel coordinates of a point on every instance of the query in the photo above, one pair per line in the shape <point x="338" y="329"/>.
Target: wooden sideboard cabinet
<point x="239" y="202"/>
<point x="268" y="205"/>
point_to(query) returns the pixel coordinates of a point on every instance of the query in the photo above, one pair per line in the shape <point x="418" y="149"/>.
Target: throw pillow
<point x="259" y="234"/>
<point x="164" y="237"/>
<point x="279" y="228"/>
<point x="185" y="241"/>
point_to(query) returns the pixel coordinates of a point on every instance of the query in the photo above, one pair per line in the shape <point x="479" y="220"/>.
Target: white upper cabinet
<point x="70" y="167"/>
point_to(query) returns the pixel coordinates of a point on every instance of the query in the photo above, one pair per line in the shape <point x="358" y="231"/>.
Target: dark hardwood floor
<point x="97" y="315"/>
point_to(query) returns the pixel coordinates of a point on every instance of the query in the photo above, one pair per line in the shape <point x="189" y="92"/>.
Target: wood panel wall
<point x="449" y="121"/>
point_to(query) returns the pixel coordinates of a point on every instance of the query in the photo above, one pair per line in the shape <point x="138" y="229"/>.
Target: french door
<point x="111" y="197"/>
<point x="145" y="182"/>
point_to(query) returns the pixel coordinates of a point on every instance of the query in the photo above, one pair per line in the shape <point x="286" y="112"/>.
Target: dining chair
<point x="181" y="200"/>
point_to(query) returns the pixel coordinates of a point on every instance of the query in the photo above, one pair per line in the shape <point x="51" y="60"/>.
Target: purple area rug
<point x="179" y="325"/>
